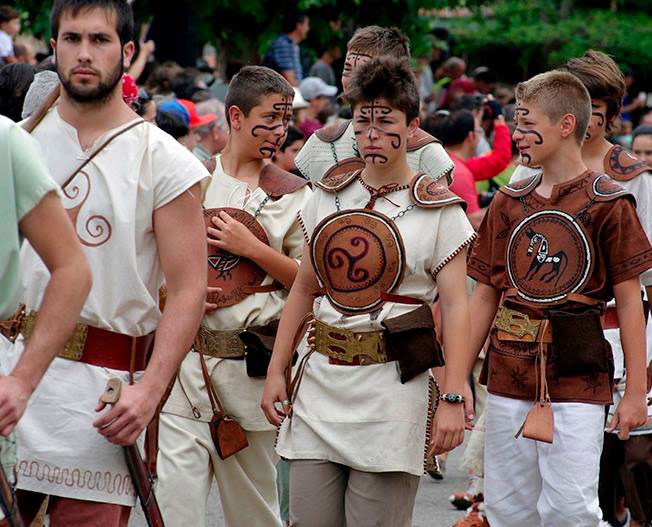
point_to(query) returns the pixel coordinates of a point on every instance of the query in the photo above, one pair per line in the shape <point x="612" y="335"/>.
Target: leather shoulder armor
<point x="521" y="187"/>
<point x="429" y="193"/>
<point x="277" y="182"/>
<point x="332" y="132"/>
<point x="601" y="187"/>
<point x="420" y="139"/>
<point x="621" y="165"/>
<point x="340" y="174"/>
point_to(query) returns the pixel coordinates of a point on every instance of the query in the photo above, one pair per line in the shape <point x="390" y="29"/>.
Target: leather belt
<point x="610" y="318"/>
<point x="513" y="325"/>
<point x="220" y="344"/>
<point x="95" y="346"/>
<point x="344" y="347"/>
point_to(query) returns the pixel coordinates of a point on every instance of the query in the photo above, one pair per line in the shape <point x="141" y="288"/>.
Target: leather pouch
<point x="227" y="434"/>
<point x="578" y="342"/>
<point x="259" y="343"/>
<point x="539" y="423"/>
<point x="411" y="339"/>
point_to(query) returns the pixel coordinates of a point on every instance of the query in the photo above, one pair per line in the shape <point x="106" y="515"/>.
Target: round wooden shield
<point x="234" y="274"/>
<point x="357" y="254"/>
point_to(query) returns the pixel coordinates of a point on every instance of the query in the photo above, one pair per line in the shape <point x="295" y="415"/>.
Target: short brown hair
<point x="557" y="93"/>
<point x="8" y="13"/>
<point x="379" y="41"/>
<point x="250" y="85"/>
<point x="602" y="77"/>
<point x="386" y="78"/>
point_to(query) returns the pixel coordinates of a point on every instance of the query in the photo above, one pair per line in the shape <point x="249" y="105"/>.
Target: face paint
<point x="519" y="113"/>
<point x="281" y="111"/>
<point x="352" y="61"/>
<point x="285" y="107"/>
<point x="374" y="112"/>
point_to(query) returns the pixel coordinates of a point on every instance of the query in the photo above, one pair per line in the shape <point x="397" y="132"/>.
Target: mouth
<point x="84" y="73"/>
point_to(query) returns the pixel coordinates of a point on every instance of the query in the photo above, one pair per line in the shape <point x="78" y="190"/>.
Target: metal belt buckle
<point x="221" y="344"/>
<point x="516" y="323"/>
<point x="367" y="348"/>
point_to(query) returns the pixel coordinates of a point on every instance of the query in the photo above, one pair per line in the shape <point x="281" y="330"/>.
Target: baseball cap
<point x="196" y="120"/>
<point x="298" y="102"/>
<point x="312" y="87"/>
<point x="175" y="107"/>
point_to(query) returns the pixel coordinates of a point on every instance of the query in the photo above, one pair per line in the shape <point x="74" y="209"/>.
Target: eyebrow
<point x="92" y="35"/>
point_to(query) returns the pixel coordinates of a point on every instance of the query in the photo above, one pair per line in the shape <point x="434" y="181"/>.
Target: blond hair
<point x="557" y="93"/>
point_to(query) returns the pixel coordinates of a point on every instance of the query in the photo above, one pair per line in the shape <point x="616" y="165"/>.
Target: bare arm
<point x="298" y="305"/>
<point x="451" y="283"/>
<point x="631" y="412"/>
<point x="52" y="236"/>
<point x="179" y="229"/>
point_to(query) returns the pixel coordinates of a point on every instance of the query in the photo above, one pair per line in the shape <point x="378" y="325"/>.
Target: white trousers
<point x="187" y="462"/>
<point x="533" y="484"/>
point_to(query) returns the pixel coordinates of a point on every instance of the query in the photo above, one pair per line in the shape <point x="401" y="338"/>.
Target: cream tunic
<point x="362" y="416"/>
<point x="316" y="156"/>
<point x="60" y="452"/>
<point x="240" y="394"/>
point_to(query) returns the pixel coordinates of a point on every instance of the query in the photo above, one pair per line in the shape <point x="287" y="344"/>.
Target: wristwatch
<point x="452" y="398"/>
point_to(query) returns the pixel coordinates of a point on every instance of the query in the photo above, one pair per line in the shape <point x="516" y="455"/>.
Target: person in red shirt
<point x="457" y="133"/>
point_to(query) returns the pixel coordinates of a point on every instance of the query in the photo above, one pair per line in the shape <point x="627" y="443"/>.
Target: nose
<point x="373" y="133"/>
<point x="84" y="51"/>
<point x="517" y="135"/>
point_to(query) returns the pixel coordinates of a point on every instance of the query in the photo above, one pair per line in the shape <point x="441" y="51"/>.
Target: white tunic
<point x="240" y="394"/>
<point x="60" y="452"/>
<point x="362" y="416"/>
<point x="316" y="156"/>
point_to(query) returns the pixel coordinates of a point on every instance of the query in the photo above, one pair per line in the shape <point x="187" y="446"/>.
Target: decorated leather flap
<point x="430" y="193"/>
<point x="601" y="187"/>
<point x="340" y="174"/>
<point x="621" y="165"/>
<point x="420" y="139"/>
<point x="522" y="187"/>
<point x="276" y="182"/>
<point x="331" y="133"/>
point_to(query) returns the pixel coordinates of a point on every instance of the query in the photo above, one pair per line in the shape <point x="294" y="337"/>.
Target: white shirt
<point x="6" y="45"/>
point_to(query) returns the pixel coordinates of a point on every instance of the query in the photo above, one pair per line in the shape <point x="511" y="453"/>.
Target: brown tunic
<point x="584" y="239"/>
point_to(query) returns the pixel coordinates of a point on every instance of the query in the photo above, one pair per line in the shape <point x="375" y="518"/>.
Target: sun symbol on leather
<point x="355" y="259"/>
<point x="519" y="377"/>
<point x="592" y="383"/>
<point x="223" y="263"/>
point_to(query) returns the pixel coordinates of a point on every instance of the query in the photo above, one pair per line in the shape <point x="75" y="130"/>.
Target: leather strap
<point x="34" y="119"/>
<point x="293" y="384"/>
<point x="98" y="150"/>
<point x="512" y="292"/>
<point x="218" y="410"/>
<point x="269" y="288"/>
<point x="400" y="299"/>
<point x="107" y="349"/>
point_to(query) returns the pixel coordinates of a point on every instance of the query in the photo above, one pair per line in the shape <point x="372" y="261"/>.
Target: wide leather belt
<point x="95" y="346"/>
<point x="512" y="325"/>
<point x="344" y="347"/>
<point x="220" y="344"/>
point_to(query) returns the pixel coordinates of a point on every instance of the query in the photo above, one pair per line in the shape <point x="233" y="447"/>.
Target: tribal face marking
<point x="277" y="119"/>
<point x="372" y="118"/>
<point x="519" y="114"/>
<point x="351" y="63"/>
<point x="598" y="121"/>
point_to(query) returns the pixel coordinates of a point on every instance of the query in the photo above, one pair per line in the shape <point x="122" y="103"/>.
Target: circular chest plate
<point x="357" y="254"/>
<point x="234" y="274"/>
<point x="548" y="257"/>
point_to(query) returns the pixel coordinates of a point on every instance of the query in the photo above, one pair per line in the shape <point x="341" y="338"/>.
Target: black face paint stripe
<point x="539" y="140"/>
<point x="266" y="128"/>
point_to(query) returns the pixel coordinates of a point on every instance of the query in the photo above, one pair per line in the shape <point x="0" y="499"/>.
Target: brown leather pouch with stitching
<point x="412" y="342"/>
<point x="259" y="343"/>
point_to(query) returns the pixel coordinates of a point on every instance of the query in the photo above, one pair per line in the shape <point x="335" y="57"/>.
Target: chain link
<point x="262" y="204"/>
<point x="334" y="151"/>
<point x="404" y="211"/>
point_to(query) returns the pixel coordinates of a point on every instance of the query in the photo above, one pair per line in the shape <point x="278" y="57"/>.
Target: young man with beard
<point x="132" y="194"/>
<point x="256" y="244"/>
<point x="335" y="143"/>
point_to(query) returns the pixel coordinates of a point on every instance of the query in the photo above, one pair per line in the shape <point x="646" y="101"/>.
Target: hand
<point x="469" y="414"/>
<point x="14" y="394"/>
<point x="232" y="236"/>
<point x="123" y="424"/>
<point x="147" y="47"/>
<point x="448" y="428"/>
<point x="275" y="397"/>
<point x="631" y="413"/>
<point x="209" y="307"/>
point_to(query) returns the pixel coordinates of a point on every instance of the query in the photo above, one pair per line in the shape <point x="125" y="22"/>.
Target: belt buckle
<point x="367" y="349"/>
<point x="74" y="348"/>
<point x="220" y="344"/>
<point x="516" y="323"/>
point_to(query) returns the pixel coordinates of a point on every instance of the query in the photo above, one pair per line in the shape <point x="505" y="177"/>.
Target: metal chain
<point x="334" y="152"/>
<point x="262" y="204"/>
<point x="337" y="202"/>
<point x="404" y="211"/>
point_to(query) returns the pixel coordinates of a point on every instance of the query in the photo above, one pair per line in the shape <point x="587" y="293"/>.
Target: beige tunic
<point x="316" y="156"/>
<point x="60" y="452"/>
<point x="362" y="416"/>
<point x="239" y="393"/>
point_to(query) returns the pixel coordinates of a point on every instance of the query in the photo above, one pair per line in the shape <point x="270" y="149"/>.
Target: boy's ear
<point x="413" y="126"/>
<point x="236" y="117"/>
<point x="567" y="125"/>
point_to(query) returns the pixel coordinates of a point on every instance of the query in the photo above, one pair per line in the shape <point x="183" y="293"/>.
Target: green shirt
<point x="24" y="181"/>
